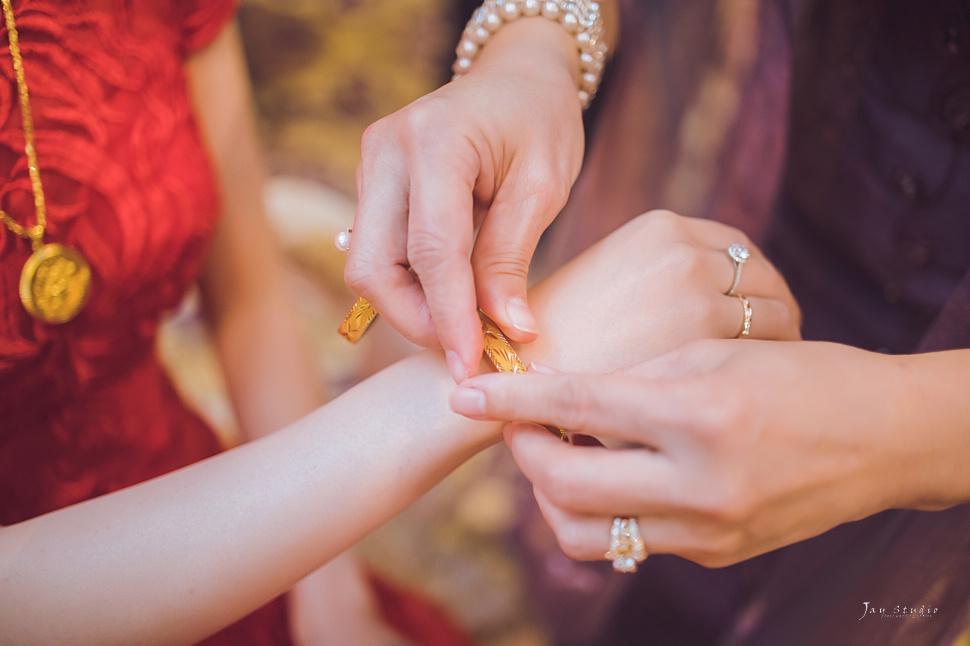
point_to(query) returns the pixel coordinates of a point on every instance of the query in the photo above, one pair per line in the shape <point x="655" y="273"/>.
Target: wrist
<point x="538" y="38"/>
<point x="933" y="420"/>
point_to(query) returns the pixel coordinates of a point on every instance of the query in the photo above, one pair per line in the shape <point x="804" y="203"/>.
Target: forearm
<point x="245" y="284"/>
<point x="180" y="556"/>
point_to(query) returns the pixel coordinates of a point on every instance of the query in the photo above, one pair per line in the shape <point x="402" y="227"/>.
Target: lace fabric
<point x="128" y="183"/>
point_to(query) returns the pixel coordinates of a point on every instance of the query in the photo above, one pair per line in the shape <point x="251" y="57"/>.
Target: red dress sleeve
<point x="200" y="21"/>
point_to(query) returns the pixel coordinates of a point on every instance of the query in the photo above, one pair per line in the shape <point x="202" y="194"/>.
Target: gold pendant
<point x="54" y="283"/>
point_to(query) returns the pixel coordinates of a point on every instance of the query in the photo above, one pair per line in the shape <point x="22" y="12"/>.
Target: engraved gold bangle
<point x="496" y="347"/>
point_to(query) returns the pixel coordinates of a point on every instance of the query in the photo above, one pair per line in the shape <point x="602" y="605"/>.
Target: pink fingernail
<point x="455" y="366"/>
<point x="542" y="368"/>
<point x="520" y="316"/>
<point x="468" y="401"/>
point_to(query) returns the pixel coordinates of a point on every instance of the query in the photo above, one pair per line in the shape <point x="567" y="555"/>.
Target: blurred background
<point x="322" y="71"/>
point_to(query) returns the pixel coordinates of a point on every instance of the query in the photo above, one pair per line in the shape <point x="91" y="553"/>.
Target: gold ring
<point x="626" y="546"/>
<point x="746" y="324"/>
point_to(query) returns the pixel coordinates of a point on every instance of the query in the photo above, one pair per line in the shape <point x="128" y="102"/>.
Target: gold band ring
<point x="746" y="324"/>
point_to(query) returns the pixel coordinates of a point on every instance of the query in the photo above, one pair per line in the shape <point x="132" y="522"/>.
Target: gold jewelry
<point x="746" y="324"/>
<point x="626" y="545"/>
<point x="496" y="347"/>
<point x="358" y="319"/>
<point x="55" y="279"/>
<point x="499" y="351"/>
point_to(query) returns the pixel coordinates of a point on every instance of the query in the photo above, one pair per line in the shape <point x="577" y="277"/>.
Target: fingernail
<point x="455" y="366"/>
<point x="542" y="368"/>
<point x="520" y="315"/>
<point x="468" y="401"/>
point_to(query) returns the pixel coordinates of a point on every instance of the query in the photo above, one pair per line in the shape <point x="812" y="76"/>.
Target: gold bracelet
<point x="496" y="347"/>
<point x="358" y="319"/>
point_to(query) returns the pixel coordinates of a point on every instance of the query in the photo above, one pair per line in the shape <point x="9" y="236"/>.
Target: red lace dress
<point x="85" y="407"/>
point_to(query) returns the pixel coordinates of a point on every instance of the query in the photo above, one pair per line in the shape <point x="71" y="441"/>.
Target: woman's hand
<point x="735" y="448"/>
<point x="652" y="285"/>
<point x="497" y="149"/>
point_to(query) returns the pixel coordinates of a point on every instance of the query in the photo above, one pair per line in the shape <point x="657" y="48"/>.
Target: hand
<point x="735" y="447"/>
<point x="499" y="148"/>
<point x="652" y="285"/>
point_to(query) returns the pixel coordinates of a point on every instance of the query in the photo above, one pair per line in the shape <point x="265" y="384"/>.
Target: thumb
<point x="500" y="260"/>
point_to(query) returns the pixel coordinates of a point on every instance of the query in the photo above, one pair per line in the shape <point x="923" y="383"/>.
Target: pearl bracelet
<point x="579" y="17"/>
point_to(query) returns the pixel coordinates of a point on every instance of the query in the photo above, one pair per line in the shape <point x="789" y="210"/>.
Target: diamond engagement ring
<point x="739" y="255"/>
<point x="626" y="546"/>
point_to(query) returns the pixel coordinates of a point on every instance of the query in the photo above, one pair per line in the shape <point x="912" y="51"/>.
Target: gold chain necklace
<point x="55" y="279"/>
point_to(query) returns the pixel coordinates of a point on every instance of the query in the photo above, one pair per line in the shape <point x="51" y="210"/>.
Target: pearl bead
<point x="466" y="49"/>
<point x="492" y="22"/>
<point x="580" y="18"/>
<point x="510" y="11"/>
<point x="570" y="22"/>
<point x="480" y="35"/>
<point x="342" y="240"/>
<point x="550" y="10"/>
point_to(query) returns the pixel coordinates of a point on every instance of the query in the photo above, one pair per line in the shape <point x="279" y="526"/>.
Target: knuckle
<point x="725" y="414"/>
<point x="560" y="486"/>
<point x="549" y="193"/>
<point x="574" y="402"/>
<point x="410" y="127"/>
<point x="504" y="261"/>
<point x="358" y="274"/>
<point x="570" y="538"/>
<point x="683" y="260"/>
<point x="375" y="137"/>
<point x="428" y="250"/>
<point x="660" y="223"/>
<point x="726" y="505"/>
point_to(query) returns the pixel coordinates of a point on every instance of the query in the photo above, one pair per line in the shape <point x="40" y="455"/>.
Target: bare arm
<point x="174" y="559"/>
<point x="178" y="557"/>
<point x="264" y="353"/>
<point x="245" y="287"/>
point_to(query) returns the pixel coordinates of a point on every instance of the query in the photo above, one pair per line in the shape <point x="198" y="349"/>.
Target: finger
<point x="580" y="537"/>
<point x="503" y="252"/>
<point x="756" y="276"/>
<point x="614" y="405"/>
<point x="586" y="537"/>
<point x="770" y="319"/>
<point x="439" y="243"/>
<point x="593" y="480"/>
<point x="377" y="264"/>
